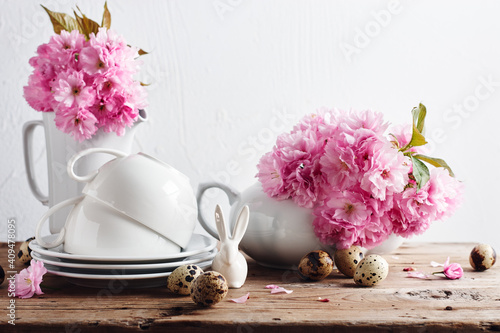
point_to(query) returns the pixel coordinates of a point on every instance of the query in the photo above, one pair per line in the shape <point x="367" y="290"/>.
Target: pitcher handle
<point x="77" y="156"/>
<point x="231" y="193"/>
<point x="28" y="130"/>
<point x="52" y="210"/>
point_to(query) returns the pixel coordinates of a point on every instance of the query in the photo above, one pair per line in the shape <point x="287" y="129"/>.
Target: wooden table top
<point x="398" y="304"/>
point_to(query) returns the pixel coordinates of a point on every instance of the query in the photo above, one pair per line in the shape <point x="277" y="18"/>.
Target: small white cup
<point x="145" y="189"/>
<point x="93" y="228"/>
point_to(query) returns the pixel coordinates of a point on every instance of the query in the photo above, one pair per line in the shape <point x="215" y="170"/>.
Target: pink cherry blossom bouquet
<point x="85" y="75"/>
<point x="361" y="184"/>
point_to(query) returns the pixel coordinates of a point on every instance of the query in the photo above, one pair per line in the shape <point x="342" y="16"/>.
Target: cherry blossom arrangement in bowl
<point x="340" y="178"/>
<point x="362" y="184"/>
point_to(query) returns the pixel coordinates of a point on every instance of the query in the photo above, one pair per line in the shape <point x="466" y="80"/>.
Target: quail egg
<point x="482" y="257"/>
<point x="315" y="265"/>
<point x="182" y="277"/>
<point x="2" y="275"/>
<point x="209" y="288"/>
<point x="371" y="270"/>
<point x="347" y="260"/>
<point x="24" y="254"/>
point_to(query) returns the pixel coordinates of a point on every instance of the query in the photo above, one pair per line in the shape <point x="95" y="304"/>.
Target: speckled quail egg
<point x="2" y="275"/>
<point x="371" y="270"/>
<point x="482" y="257"/>
<point x="315" y="265"/>
<point x="182" y="277"/>
<point x="347" y="260"/>
<point x="24" y="254"/>
<point x="209" y="288"/>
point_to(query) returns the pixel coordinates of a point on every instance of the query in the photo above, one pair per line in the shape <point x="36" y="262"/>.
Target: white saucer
<point x="113" y="274"/>
<point x="197" y="244"/>
<point x="117" y="281"/>
<point x="195" y="259"/>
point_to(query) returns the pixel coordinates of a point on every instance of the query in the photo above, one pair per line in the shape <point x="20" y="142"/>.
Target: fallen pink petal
<point x="277" y="289"/>
<point x="241" y="299"/>
<point x="409" y="269"/>
<point x="418" y="275"/>
<point x="272" y="286"/>
<point x="323" y="299"/>
<point x="280" y="290"/>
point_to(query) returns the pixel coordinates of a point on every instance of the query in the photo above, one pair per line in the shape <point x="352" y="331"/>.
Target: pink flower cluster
<point x="357" y="181"/>
<point x="88" y="84"/>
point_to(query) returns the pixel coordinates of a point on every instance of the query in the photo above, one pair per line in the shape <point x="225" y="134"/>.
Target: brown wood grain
<point x="398" y="304"/>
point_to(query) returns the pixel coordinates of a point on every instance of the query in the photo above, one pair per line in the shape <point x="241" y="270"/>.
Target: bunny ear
<point x="241" y="224"/>
<point x="219" y="222"/>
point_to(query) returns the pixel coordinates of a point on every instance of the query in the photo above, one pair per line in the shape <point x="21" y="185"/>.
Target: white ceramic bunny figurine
<point x="229" y="261"/>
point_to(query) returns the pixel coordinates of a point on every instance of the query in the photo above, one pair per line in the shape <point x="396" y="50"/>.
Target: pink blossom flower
<point x="367" y="119"/>
<point x="77" y="122"/>
<point x="38" y="93"/>
<point x="325" y="122"/>
<point x="270" y="176"/>
<point x="292" y="170"/>
<point x="451" y="271"/>
<point x="71" y="90"/>
<point x="29" y="279"/>
<point x="347" y="218"/>
<point x="388" y="172"/>
<point x="94" y="60"/>
<point x="445" y="192"/>
<point x="64" y="47"/>
<point x="414" y="211"/>
<point x="121" y="115"/>
<point x="339" y="165"/>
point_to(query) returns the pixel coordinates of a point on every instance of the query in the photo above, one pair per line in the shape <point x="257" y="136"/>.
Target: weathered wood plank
<point x="397" y="304"/>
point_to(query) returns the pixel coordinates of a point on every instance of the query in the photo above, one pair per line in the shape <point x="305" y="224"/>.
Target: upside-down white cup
<point x="132" y="197"/>
<point x="92" y="228"/>
<point x="145" y="189"/>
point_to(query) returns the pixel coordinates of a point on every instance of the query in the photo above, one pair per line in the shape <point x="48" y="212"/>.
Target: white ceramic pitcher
<point x="59" y="148"/>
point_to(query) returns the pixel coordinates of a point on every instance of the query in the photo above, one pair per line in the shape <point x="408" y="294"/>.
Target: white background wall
<point x="225" y="73"/>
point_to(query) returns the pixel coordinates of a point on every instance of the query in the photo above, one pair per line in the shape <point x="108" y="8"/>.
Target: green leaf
<point x="86" y="25"/>
<point x="420" y="172"/>
<point x="61" y="21"/>
<point x="417" y="139"/>
<point x="106" y="17"/>
<point x="437" y="162"/>
<point x="419" y="114"/>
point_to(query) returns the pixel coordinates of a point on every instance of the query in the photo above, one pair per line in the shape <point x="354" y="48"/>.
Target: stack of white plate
<point x="116" y="272"/>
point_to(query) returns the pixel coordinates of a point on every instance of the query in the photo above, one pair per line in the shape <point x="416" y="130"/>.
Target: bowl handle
<point x="77" y="156"/>
<point x="52" y="210"/>
<point x="231" y="193"/>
